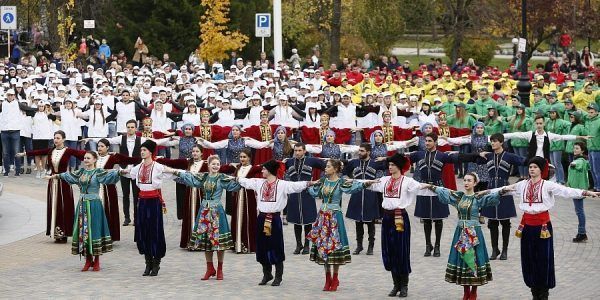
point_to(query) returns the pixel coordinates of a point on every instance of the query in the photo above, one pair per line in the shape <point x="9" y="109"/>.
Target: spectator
<point x="574" y="57"/>
<point x="295" y="58"/>
<point x="565" y="42"/>
<point x="458" y="65"/>
<point x="587" y="58"/>
<point x="83" y="48"/>
<point x="367" y="63"/>
<point x="394" y="64"/>
<point x="554" y="40"/>
<point x="141" y="52"/>
<point x="104" y="52"/>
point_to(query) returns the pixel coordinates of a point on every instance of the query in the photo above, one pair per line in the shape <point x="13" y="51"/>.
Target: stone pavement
<point x="35" y="267"/>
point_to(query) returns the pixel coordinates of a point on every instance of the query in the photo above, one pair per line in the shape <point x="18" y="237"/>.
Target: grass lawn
<point x="501" y="63"/>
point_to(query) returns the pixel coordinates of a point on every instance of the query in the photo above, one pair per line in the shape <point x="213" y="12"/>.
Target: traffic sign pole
<point x="263" y="45"/>
<point x="8" y="44"/>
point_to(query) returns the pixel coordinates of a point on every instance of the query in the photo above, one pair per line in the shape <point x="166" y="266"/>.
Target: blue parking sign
<point x="263" y="25"/>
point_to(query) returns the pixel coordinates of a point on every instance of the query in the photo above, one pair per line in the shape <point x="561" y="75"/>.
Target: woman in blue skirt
<point x="328" y="234"/>
<point x="91" y="236"/>
<point x="468" y="262"/>
<point x="211" y="231"/>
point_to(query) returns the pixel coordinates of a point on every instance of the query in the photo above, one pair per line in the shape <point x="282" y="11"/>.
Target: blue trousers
<point x="522" y="152"/>
<point x="556" y="160"/>
<point x="11" y="143"/>
<point x="578" y="203"/>
<point x="594" y="158"/>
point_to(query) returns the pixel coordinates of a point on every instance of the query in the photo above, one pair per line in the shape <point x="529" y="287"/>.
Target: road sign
<point x="9" y="17"/>
<point x="522" y="45"/>
<point x="89" y="24"/>
<point x="263" y="25"/>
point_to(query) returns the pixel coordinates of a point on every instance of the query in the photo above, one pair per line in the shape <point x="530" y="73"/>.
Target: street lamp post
<point x="524" y="86"/>
<point x="515" y="41"/>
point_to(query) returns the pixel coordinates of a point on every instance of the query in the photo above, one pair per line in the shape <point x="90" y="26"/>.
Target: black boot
<point x="543" y="294"/>
<point x="278" y="274"/>
<point x="493" y="226"/>
<point x="427" y="228"/>
<point x="505" y="239"/>
<point x="396" y="288"/>
<point x="438" y="234"/>
<point x="148" y="265"/>
<point x="370" y="248"/>
<point x="305" y="250"/>
<point x="360" y="233"/>
<point x="371" y="229"/>
<point x="580" y="238"/>
<point x="298" y="234"/>
<point x="155" y="267"/>
<point x="267" y="274"/>
<point x="403" y="286"/>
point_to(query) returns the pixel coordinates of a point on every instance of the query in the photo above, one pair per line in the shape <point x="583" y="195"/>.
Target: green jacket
<point x="511" y="126"/>
<point x="540" y="105"/>
<point x="492" y="127"/>
<point x="578" y="174"/>
<point x="448" y="107"/>
<point x="583" y="114"/>
<point x="559" y="106"/>
<point x="558" y="126"/>
<point x="480" y="107"/>
<point x="468" y="122"/>
<point x="578" y="130"/>
<point x="592" y="127"/>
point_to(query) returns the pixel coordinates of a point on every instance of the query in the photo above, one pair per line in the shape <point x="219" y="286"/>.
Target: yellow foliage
<point x="65" y="29"/>
<point x="216" y="38"/>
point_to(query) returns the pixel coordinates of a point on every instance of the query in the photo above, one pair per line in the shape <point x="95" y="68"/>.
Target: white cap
<point x="413" y="98"/>
<point x="226" y="101"/>
<point x="425" y="102"/>
<point x="97" y="101"/>
<point x="403" y="96"/>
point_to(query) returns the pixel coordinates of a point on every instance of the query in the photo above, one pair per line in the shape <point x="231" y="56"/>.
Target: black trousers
<point x="126" y="186"/>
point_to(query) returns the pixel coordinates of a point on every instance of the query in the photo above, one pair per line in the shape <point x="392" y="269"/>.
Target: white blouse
<point x="277" y="200"/>
<point x="402" y="194"/>
<point x="155" y="180"/>
<point x="543" y="197"/>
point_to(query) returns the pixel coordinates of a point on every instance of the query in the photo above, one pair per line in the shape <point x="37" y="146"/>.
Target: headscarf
<point x="425" y="125"/>
<point x="478" y="123"/>
<point x="372" y="137"/>
<point x="329" y="132"/>
<point x="230" y="135"/>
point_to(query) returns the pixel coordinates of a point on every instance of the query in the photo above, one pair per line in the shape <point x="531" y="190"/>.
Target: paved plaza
<point x="32" y="266"/>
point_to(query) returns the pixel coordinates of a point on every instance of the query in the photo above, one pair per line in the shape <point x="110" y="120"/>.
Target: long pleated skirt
<point x="149" y="230"/>
<point x="457" y="270"/>
<point x="395" y="245"/>
<point x="428" y="207"/>
<point x="537" y="257"/>
<point x="269" y="249"/>
<point x="211" y="231"/>
<point x="91" y="235"/>
<point x="323" y="239"/>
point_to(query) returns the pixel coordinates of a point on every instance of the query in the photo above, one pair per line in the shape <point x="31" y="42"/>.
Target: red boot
<point x="97" y="263"/>
<point x="473" y="295"/>
<point x="220" y="271"/>
<point x="467" y="292"/>
<point x="210" y="271"/>
<point x="327" y="282"/>
<point x="334" y="283"/>
<point x="88" y="263"/>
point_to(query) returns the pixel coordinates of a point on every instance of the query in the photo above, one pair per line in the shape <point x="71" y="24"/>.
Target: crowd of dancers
<point x="273" y="141"/>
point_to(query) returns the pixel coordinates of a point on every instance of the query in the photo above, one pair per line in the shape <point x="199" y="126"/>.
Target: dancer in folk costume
<point x="91" y="236"/>
<point x="192" y="196"/>
<point x="149" y="229"/>
<point x="60" y="203"/>
<point x="328" y="234"/>
<point x="311" y="135"/>
<point x="210" y="132"/>
<point x="108" y="192"/>
<point x="398" y="192"/>
<point x="243" y="216"/>
<point x="536" y="197"/>
<point x="468" y="262"/>
<point x="211" y="231"/>
<point x="271" y="195"/>
<point x="302" y="209"/>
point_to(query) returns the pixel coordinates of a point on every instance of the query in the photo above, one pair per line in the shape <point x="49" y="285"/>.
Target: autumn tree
<point x="216" y="38"/>
<point x="379" y="23"/>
